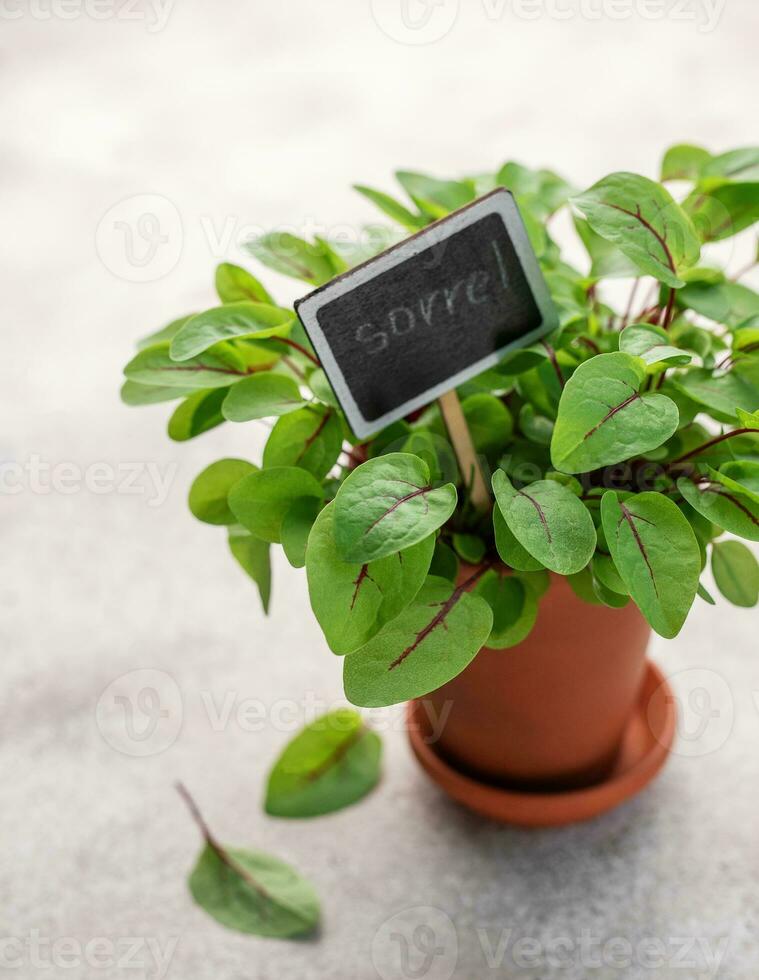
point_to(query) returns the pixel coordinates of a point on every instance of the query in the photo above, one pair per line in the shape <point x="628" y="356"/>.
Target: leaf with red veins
<point x="431" y="642"/>
<point x="656" y="554"/>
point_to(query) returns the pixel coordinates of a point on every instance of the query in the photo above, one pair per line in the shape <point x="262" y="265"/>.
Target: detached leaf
<point x="154" y="366"/>
<point x="311" y="438"/>
<point x="431" y="642"/>
<point x="719" y="501"/>
<point x="235" y="285"/>
<point x="332" y="763"/>
<point x="736" y="572"/>
<point x="197" y="414"/>
<point x="261" y="396"/>
<point x="249" y="891"/>
<point x="652" y="345"/>
<point x="353" y="601"/>
<point x="643" y="220"/>
<point x="387" y="504"/>
<point x="549" y="521"/>
<point x="684" y="162"/>
<point x="291" y="256"/>
<point x="514" y="606"/>
<point x="251" y="321"/>
<point x="210" y="489"/>
<point x="657" y="556"/>
<point x="261" y="500"/>
<point x="252" y="555"/>
<point x="603" y="419"/>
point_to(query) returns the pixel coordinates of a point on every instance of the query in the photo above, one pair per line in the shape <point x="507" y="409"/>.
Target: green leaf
<point x="723" y="211"/>
<point x="353" y="601"/>
<point x="291" y="256"/>
<point x="333" y="762"/>
<point x="736" y="572"/>
<point x="741" y="475"/>
<point x="311" y="438"/>
<point x="605" y="571"/>
<point x="387" y="504"/>
<point x="729" y="303"/>
<point x="252" y="554"/>
<point x="489" y="422"/>
<point x="243" y="320"/>
<point x="322" y="389"/>
<point x="542" y="191"/>
<point x="742" y="164"/>
<point x="549" y="521"/>
<point x="510" y="550"/>
<point x="392" y="208"/>
<point x="470" y="547"/>
<point x="133" y="393"/>
<point x="164" y="334"/>
<point x="445" y="563"/>
<point x="657" y="556"/>
<point x="514" y="606"/>
<point x="748" y="420"/>
<point x="197" y="414"/>
<point x="154" y="366"/>
<point x="652" y="345"/>
<point x="210" y="489"/>
<point x="536" y="428"/>
<point x="448" y="195"/>
<point x="721" y="503"/>
<point x="607" y="261"/>
<point x="603" y="419"/>
<point x="722" y="394"/>
<point x="260" y="396"/>
<point x="296" y="527"/>
<point x="260" y="500"/>
<point x="684" y="162"/>
<point x="643" y="220"/>
<point x="235" y="285"/>
<point x="431" y="642"/>
<point x="254" y="893"/>
<point x="705" y="594"/>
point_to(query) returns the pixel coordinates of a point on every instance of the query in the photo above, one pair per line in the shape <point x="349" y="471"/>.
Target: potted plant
<point x="620" y="449"/>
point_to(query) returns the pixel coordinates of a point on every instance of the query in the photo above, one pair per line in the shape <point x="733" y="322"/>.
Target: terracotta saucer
<point x="645" y="746"/>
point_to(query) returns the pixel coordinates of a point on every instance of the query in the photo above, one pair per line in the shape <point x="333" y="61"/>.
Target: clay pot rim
<point x="553" y="809"/>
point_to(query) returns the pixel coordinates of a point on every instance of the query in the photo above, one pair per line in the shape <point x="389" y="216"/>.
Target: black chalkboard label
<point x="399" y="330"/>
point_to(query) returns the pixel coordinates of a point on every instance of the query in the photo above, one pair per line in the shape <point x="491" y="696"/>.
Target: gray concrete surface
<point x="240" y="114"/>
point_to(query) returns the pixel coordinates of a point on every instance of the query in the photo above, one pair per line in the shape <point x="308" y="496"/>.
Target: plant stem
<point x="299" y="347"/>
<point x="554" y="361"/>
<point x="707" y="445"/>
<point x="628" y="311"/>
<point x="669" y="312"/>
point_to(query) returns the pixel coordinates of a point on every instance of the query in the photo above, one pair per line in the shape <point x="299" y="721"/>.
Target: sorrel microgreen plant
<point x="620" y="447"/>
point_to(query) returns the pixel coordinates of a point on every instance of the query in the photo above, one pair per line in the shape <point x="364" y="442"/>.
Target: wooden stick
<point x="460" y="436"/>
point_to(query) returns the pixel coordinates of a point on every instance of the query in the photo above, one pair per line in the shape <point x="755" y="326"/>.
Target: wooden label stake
<point x="461" y="437"/>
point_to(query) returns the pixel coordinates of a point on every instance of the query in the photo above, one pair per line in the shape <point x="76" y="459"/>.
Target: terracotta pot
<point x="547" y="715"/>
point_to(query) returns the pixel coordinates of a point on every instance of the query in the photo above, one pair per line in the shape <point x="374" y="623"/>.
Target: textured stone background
<point x="250" y="113"/>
